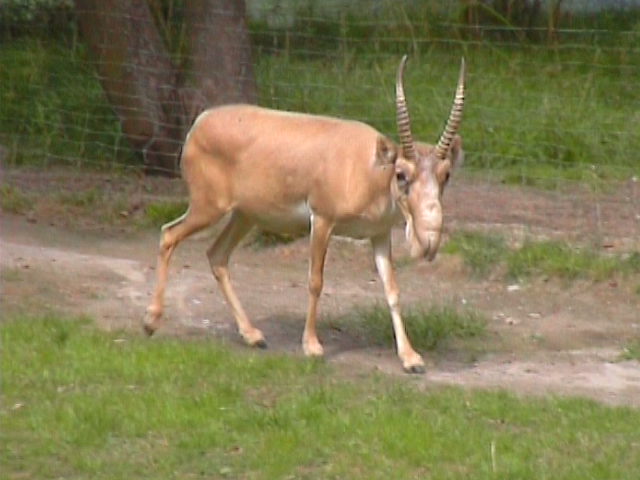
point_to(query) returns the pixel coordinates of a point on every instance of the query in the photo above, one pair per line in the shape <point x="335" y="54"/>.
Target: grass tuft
<point x="82" y="199"/>
<point x="480" y="252"/>
<point x="632" y="350"/>
<point x="483" y="254"/>
<point x="13" y="200"/>
<point x="428" y="328"/>
<point x="560" y="260"/>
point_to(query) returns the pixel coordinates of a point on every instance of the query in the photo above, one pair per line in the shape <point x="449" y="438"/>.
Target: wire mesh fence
<point x="551" y="119"/>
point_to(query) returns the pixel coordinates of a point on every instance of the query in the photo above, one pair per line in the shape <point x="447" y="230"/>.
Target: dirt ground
<point x="543" y="337"/>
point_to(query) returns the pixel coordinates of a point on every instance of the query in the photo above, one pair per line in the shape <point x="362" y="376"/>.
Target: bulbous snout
<point x="427" y="245"/>
<point x="427" y="231"/>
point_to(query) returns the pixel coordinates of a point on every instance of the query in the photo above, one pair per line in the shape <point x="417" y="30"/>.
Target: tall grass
<point x="78" y="403"/>
<point x="535" y="114"/>
<point x="531" y="116"/>
<point x="53" y="109"/>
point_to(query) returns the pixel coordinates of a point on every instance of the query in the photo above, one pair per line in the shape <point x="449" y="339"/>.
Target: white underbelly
<point x="297" y="219"/>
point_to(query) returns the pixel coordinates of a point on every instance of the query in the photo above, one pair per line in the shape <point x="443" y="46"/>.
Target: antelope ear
<point x="386" y="152"/>
<point x="456" y="152"/>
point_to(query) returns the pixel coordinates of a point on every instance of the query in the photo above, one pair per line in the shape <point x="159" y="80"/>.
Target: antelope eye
<point x="403" y="181"/>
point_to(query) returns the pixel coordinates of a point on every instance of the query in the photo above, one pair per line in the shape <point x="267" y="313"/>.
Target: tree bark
<point x="136" y="74"/>
<point x="155" y="102"/>
<point x="221" y="68"/>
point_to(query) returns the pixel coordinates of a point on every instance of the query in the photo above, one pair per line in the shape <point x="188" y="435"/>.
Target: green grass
<point x="484" y="254"/>
<point x="632" y="351"/>
<point x="14" y="274"/>
<point x="560" y="260"/>
<point x="79" y="403"/>
<point x="481" y="252"/>
<point x="159" y="213"/>
<point x="578" y="102"/>
<point x="85" y="199"/>
<point x="576" y="115"/>
<point x="13" y="200"/>
<point x="53" y="109"/>
<point x="428" y="328"/>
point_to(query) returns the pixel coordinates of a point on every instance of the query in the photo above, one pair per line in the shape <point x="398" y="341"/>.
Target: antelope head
<point x="422" y="171"/>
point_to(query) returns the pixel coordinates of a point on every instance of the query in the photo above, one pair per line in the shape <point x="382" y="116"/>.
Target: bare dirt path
<point x="543" y="338"/>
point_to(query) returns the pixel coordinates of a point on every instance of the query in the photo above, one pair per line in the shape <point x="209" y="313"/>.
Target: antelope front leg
<point x="411" y="361"/>
<point x="320" y="235"/>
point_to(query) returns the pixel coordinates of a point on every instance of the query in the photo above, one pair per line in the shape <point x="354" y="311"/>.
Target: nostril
<point x="432" y="210"/>
<point x="427" y="249"/>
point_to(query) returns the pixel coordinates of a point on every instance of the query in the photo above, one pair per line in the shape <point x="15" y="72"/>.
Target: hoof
<point x="313" y="351"/>
<point x="415" y="369"/>
<point x="151" y="322"/>
<point x="254" y="338"/>
<point x="148" y="329"/>
<point x="261" y="344"/>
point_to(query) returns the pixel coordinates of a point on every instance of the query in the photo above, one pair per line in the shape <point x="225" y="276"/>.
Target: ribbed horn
<point x="455" y="117"/>
<point x="402" y="116"/>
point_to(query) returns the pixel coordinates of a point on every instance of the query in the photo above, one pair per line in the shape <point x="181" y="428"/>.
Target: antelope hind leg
<point x="172" y="234"/>
<point x="218" y="255"/>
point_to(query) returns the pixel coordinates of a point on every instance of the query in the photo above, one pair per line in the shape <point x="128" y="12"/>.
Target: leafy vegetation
<point x="36" y="18"/>
<point x="79" y="403"/>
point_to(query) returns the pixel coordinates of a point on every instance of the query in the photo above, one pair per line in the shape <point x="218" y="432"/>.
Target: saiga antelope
<point x="286" y="172"/>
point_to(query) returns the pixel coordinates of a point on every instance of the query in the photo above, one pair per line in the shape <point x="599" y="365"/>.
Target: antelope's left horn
<point x="455" y="117"/>
<point x="402" y="116"/>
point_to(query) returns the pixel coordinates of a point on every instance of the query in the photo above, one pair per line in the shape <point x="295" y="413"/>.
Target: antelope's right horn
<point x="402" y="117"/>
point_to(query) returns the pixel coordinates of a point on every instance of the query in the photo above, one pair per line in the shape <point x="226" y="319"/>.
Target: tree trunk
<point x="155" y="103"/>
<point x="137" y="76"/>
<point x="221" y="68"/>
